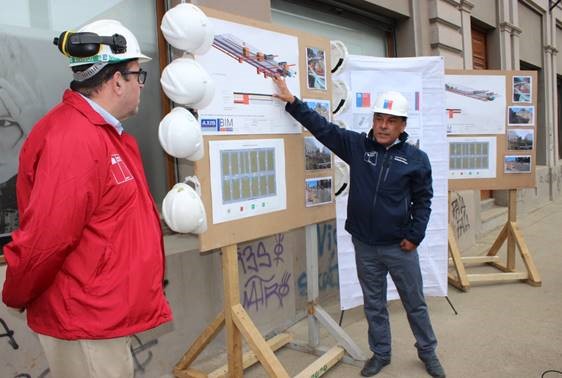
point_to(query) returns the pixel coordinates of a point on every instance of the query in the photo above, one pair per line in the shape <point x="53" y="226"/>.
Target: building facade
<point x="477" y="34"/>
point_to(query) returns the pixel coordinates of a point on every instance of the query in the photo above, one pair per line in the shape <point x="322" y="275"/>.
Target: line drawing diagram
<point x="478" y="94"/>
<point x="265" y="64"/>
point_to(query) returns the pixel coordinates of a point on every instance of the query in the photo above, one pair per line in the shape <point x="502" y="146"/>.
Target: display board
<point x="492" y="129"/>
<point x="247" y="191"/>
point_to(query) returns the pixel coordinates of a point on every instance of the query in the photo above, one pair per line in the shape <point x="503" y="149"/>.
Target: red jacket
<point x="88" y="260"/>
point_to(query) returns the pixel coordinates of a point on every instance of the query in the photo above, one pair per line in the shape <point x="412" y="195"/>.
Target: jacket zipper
<point x="387" y="170"/>
<point x="379" y="180"/>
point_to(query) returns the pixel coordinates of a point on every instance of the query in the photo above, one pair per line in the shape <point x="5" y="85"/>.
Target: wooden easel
<point x="509" y="232"/>
<point x="238" y="324"/>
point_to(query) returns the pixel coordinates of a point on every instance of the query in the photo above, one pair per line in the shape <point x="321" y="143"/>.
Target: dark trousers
<point x="373" y="264"/>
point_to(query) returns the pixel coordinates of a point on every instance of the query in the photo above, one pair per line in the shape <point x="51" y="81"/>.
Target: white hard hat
<point x="338" y="56"/>
<point x="105" y="55"/>
<point x="185" y="82"/>
<point x="393" y="103"/>
<point x="341" y="177"/>
<point x="341" y="96"/>
<point x="180" y="134"/>
<point x="207" y="97"/>
<point x="341" y="123"/>
<point x="183" y="210"/>
<point x="186" y="27"/>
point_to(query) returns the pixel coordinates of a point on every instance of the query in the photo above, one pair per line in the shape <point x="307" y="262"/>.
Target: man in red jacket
<point x="87" y="262"/>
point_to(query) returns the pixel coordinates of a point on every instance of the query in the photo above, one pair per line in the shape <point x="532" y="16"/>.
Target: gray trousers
<point x="373" y="264"/>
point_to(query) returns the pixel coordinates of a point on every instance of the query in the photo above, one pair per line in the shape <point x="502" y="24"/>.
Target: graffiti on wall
<point x="141" y="359"/>
<point x="327" y="260"/>
<point x="266" y="276"/>
<point x="9" y="334"/>
<point x="459" y="214"/>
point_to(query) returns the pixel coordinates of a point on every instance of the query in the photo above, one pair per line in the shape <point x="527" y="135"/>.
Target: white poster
<point x="475" y="104"/>
<point x="247" y="178"/>
<point x="242" y="61"/>
<point x="422" y="81"/>
<point x="366" y="88"/>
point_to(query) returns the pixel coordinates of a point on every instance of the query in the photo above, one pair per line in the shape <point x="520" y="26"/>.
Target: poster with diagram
<point x="492" y="129"/>
<point x="475" y="104"/>
<point x="241" y="62"/>
<point x="247" y="178"/>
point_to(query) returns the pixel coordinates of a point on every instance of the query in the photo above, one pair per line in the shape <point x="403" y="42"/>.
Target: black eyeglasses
<point x="141" y="78"/>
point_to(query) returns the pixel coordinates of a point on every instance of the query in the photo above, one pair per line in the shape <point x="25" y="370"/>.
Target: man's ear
<point x="117" y="82"/>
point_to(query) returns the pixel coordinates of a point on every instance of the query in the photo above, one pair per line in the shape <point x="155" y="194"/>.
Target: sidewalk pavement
<point x="502" y="330"/>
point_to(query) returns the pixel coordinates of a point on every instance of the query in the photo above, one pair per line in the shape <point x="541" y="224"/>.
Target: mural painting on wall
<point x="21" y="105"/>
<point x="459" y="213"/>
<point x="327" y="261"/>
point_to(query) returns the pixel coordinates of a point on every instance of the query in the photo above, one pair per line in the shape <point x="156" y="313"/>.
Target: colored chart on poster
<point x="247" y="178"/>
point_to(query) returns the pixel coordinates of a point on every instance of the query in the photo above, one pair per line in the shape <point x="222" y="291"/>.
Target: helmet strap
<point x="89" y="72"/>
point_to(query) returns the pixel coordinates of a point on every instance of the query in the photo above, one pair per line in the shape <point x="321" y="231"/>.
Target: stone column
<point x="465" y="8"/>
<point x="504" y="27"/>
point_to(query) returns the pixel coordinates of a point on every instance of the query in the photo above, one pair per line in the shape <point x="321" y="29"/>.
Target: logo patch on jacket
<point x="119" y="169"/>
<point x="371" y="157"/>
<point x="401" y="159"/>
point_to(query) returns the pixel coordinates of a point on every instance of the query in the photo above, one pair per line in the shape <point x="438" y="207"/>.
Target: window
<point x="363" y="34"/>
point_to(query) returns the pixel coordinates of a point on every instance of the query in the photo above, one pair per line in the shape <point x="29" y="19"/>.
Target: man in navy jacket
<point x="387" y="214"/>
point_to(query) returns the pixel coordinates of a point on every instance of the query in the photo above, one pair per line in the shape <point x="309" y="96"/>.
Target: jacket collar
<point x="74" y="99"/>
<point x="371" y="139"/>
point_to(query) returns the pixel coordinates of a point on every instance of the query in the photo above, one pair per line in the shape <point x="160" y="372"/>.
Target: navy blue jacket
<point x="390" y="189"/>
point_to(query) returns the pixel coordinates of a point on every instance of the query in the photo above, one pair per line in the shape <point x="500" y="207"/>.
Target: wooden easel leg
<point x="257" y="343"/>
<point x="249" y="358"/>
<point x="200" y="343"/>
<point x="323" y="364"/>
<point x="498" y="242"/>
<point x="231" y="298"/>
<point x="534" y="277"/>
<point x="511" y="218"/>
<point x="461" y="282"/>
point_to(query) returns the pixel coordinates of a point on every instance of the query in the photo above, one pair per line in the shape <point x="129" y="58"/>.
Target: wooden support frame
<point x="238" y="325"/>
<point x="510" y="233"/>
<point x="317" y="315"/>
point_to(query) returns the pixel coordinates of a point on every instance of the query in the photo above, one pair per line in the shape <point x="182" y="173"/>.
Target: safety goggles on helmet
<point x="100" y="42"/>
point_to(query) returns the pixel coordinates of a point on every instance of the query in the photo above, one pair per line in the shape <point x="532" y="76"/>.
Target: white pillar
<point x="465" y="8"/>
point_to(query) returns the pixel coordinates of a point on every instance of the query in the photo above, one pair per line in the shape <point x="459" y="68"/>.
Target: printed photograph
<point x="318" y="191"/>
<point x="520" y="139"/>
<point x="321" y="107"/>
<point x="522" y="86"/>
<point x="316" y="68"/>
<point x="517" y="164"/>
<point x="316" y="155"/>
<point x="520" y="115"/>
